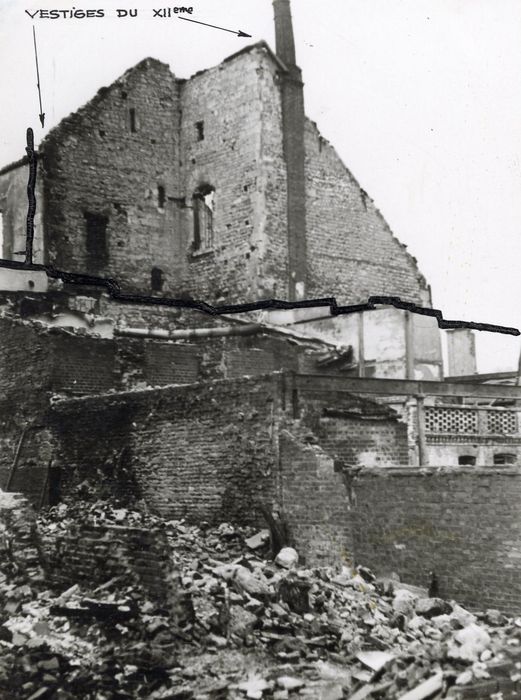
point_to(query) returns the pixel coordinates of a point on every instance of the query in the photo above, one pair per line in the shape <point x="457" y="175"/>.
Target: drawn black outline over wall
<point x="114" y="290"/>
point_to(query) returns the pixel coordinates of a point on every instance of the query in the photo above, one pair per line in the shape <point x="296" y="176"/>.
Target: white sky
<point x="421" y="98"/>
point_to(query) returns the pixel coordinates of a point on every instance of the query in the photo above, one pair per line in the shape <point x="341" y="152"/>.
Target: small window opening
<point x="161" y="196"/>
<point x="96" y="240"/>
<point x="199" y="127"/>
<point x="123" y="95"/>
<point x="132" y="115"/>
<point x="504" y="458"/>
<point x="156" y="279"/>
<point x="203" y="207"/>
<point x="467" y="460"/>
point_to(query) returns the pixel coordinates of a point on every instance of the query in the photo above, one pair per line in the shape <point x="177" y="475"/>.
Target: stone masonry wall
<point x="136" y="154"/>
<point x="238" y="103"/>
<point x="352" y="253"/>
<point x="150" y="137"/>
<point x="464" y="524"/>
<point x="109" y="159"/>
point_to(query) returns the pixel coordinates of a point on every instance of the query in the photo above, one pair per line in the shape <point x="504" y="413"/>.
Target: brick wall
<point x="35" y="363"/>
<point x="204" y="451"/>
<point x="25" y="380"/>
<point x="82" y="364"/>
<point x="315" y="502"/>
<point x="214" y="451"/>
<point x="354" y="429"/>
<point x="463" y="523"/>
<point x="93" y="554"/>
<point x="359" y="441"/>
<point x="170" y="363"/>
<point x="247" y="362"/>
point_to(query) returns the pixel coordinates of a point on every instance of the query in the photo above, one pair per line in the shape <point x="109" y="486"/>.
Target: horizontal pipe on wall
<point x="188" y="333"/>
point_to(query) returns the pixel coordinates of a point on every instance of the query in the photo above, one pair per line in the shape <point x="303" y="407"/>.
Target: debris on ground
<point x="253" y="626"/>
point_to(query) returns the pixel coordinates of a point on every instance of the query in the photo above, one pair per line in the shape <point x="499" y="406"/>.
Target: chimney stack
<point x="284" y="40"/>
<point x="293" y="123"/>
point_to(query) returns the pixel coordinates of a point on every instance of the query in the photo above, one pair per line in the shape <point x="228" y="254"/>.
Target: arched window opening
<point x="203" y="201"/>
<point x="156" y="279"/>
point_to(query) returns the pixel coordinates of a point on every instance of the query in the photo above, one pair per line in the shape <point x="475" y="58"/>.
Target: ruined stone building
<point x="217" y="188"/>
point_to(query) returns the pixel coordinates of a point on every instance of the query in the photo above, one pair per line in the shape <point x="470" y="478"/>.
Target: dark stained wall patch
<point x="96" y="240"/>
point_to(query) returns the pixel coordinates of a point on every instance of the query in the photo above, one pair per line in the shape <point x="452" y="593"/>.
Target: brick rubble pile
<point x="243" y="625"/>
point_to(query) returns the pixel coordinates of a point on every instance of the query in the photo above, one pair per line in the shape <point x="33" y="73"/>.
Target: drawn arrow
<point x="239" y="33"/>
<point x="42" y="113"/>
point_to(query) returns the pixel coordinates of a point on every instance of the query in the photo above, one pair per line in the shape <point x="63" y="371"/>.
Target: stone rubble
<point x="245" y="626"/>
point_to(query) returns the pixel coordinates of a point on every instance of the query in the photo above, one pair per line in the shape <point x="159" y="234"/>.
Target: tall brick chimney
<point x="292" y="98"/>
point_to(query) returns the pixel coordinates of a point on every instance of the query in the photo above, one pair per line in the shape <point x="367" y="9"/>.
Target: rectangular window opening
<point x="199" y="126"/>
<point x="161" y="196"/>
<point x="156" y="279"/>
<point x="132" y="116"/>
<point x="467" y="461"/>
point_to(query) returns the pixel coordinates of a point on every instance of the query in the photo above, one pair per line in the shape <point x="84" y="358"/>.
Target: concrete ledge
<point x="358" y="472"/>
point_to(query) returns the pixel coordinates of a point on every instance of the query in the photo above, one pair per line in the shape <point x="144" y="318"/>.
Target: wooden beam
<point x="404" y="387"/>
